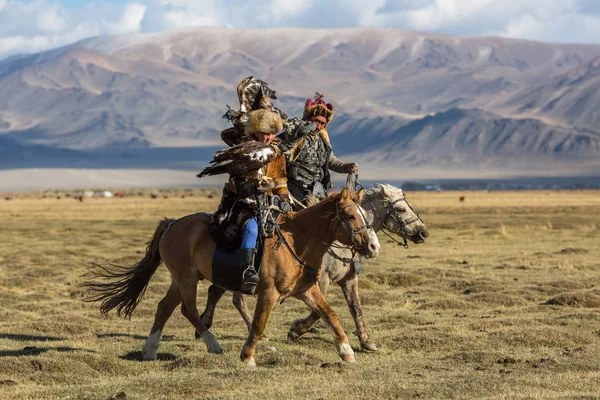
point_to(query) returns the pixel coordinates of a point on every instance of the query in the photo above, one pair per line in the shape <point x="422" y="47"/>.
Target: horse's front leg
<point x="301" y="326"/>
<point x="267" y="298"/>
<point x="349" y="285"/>
<point x="239" y="301"/>
<point x="315" y="300"/>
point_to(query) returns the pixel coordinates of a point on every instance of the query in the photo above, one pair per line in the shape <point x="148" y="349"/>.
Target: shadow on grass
<point x="35" y="351"/>
<point x="137" y="356"/>
<point x="31" y="338"/>
<point x="231" y="337"/>
<point x="112" y="335"/>
<point x="166" y="338"/>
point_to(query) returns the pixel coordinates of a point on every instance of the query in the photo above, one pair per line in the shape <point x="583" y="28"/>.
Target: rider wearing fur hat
<point x="239" y="209"/>
<point x="310" y="156"/>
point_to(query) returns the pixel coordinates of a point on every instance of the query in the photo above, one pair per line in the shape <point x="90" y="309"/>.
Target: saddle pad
<point x="226" y="271"/>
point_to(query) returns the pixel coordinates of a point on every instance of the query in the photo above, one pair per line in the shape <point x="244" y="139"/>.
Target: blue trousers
<point x="250" y="234"/>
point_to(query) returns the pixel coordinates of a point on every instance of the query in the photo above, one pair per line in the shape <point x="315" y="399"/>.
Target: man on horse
<point x="310" y="157"/>
<point x="244" y="195"/>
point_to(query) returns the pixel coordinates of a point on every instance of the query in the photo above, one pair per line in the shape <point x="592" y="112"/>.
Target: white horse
<point x="386" y="210"/>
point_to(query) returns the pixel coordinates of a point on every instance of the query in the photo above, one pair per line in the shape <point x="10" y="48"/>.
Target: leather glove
<point x="351" y="167"/>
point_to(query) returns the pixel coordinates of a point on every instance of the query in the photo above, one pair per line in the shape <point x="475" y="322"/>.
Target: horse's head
<point x="354" y="229"/>
<point x="393" y="211"/>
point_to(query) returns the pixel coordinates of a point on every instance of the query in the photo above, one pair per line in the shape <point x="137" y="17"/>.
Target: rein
<point x="313" y="271"/>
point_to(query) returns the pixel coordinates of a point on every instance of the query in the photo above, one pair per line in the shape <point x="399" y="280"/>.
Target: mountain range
<point x="404" y="100"/>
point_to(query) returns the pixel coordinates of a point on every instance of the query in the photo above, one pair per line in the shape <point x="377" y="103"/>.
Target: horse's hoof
<point x="215" y="350"/>
<point x="151" y="346"/>
<point x="264" y="338"/>
<point x="292" y="337"/>
<point x="347" y="354"/>
<point x="250" y="362"/>
<point x="148" y="357"/>
<point x="368" y="346"/>
<point x="212" y="344"/>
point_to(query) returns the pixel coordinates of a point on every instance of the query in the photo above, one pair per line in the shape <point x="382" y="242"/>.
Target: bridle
<point x="344" y="222"/>
<point x="392" y="213"/>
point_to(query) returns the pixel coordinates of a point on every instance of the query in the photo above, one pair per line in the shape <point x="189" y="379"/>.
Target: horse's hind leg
<point x="239" y="301"/>
<point x="350" y="288"/>
<point x="214" y="295"/>
<point x="315" y="300"/>
<point x="301" y="326"/>
<point x="190" y="311"/>
<point x="264" y="305"/>
<point x="165" y="308"/>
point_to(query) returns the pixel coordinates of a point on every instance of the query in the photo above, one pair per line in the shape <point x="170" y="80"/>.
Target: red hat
<point x="318" y="108"/>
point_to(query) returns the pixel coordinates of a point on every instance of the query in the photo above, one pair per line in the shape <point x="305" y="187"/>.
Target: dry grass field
<point x="502" y="302"/>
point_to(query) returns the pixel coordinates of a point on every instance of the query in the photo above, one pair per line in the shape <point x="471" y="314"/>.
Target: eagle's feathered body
<point x="244" y="159"/>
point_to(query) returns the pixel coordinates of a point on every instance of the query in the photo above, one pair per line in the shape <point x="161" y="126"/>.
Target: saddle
<point x="227" y="223"/>
<point x="226" y="271"/>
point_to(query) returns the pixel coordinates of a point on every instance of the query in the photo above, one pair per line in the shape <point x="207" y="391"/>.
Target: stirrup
<point x="249" y="285"/>
<point x="253" y="278"/>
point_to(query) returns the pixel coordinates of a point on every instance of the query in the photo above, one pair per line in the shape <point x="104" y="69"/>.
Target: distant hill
<point x="402" y="98"/>
<point x="15" y="155"/>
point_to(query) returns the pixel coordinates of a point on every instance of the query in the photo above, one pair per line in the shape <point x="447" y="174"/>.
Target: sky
<point x="29" y="26"/>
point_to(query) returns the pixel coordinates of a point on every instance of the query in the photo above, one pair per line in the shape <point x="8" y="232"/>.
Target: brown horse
<point x="291" y="264"/>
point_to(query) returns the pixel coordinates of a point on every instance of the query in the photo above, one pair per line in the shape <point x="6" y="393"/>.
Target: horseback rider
<point x="240" y="205"/>
<point x="310" y="156"/>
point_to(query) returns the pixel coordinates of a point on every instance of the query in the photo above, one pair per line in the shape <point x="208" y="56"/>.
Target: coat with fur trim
<point x="333" y="163"/>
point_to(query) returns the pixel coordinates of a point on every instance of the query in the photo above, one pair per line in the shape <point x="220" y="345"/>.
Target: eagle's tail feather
<point x="218" y="168"/>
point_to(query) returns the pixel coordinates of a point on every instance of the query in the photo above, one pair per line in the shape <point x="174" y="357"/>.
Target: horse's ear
<point x="344" y="194"/>
<point x="358" y="196"/>
<point x="382" y="187"/>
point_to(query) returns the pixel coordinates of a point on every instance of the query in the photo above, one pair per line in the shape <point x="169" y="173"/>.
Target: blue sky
<point x="34" y="25"/>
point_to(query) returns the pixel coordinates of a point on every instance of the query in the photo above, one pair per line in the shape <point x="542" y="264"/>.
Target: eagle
<point x="253" y="94"/>
<point x="245" y="159"/>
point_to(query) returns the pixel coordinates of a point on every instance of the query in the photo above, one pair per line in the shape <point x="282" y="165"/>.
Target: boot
<point x="249" y="275"/>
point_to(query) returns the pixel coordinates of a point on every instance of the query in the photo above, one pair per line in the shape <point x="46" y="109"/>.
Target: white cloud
<point x="16" y="44"/>
<point x="39" y="25"/>
<point x="129" y="21"/>
<point x="27" y="26"/>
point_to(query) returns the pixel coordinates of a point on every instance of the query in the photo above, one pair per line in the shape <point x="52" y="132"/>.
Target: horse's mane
<point x="332" y="196"/>
<point x="380" y="188"/>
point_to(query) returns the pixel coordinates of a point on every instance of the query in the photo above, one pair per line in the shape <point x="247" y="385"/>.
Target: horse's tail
<point x="128" y="284"/>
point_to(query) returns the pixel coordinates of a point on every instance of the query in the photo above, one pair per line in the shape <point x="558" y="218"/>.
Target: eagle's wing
<point x="241" y="159"/>
<point x="253" y="94"/>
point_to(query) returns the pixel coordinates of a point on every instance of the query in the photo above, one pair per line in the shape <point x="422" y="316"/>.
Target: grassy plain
<point x="502" y="302"/>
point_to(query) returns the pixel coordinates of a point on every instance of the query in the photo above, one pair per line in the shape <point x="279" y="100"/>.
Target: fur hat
<point x="264" y="121"/>
<point x="318" y="108"/>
